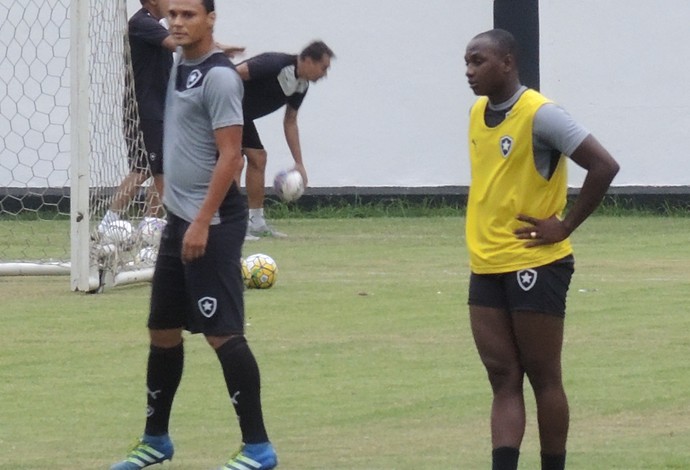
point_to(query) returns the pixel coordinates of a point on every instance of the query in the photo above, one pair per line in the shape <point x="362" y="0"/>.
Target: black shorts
<point x="250" y="136"/>
<point x="542" y="289"/>
<point x="204" y="296"/>
<point x="145" y="146"/>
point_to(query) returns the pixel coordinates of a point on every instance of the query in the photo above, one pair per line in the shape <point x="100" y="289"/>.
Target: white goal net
<point x="65" y="91"/>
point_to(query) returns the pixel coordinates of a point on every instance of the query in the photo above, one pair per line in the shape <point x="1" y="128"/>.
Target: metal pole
<point x="521" y="18"/>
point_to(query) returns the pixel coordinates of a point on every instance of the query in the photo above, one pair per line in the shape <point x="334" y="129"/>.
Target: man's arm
<point x="169" y="44"/>
<point x="227" y="170"/>
<point x="291" y="130"/>
<point x="230" y="51"/>
<point x="243" y="71"/>
<point x="601" y="169"/>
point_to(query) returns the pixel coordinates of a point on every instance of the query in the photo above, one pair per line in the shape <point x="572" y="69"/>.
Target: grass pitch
<point x="366" y="356"/>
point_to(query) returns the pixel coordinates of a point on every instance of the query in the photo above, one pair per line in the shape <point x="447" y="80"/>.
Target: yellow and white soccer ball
<point x="288" y="185"/>
<point x="259" y="271"/>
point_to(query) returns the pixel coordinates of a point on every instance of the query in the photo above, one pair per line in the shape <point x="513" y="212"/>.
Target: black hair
<point x="210" y="5"/>
<point x="503" y="41"/>
<point x="316" y="50"/>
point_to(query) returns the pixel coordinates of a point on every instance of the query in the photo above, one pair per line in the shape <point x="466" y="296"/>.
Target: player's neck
<point x="198" y="49"/>
<point x="505" y="93"/>
<point x="154" y="13"/>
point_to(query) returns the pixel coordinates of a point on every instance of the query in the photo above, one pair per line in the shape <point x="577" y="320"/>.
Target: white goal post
<point x="66" y="88"/>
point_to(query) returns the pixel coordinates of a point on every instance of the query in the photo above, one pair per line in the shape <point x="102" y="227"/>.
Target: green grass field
<point x="366" y="356"/>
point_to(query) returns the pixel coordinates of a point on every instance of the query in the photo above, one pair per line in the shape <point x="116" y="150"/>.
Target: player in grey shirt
<point x="204" y="94"/>
<point x="197" y="283"/>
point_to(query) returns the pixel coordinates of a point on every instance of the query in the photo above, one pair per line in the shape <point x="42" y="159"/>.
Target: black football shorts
<point x="542" y="289"/>
<point x="206" y="295"/>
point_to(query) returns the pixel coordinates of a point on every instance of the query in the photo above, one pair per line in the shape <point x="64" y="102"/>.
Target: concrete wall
<point x="393" y="111"/>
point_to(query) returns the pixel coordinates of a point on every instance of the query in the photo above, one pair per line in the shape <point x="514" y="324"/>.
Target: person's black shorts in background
<point x="250" y="136"/>
<point x="145" y="146"/>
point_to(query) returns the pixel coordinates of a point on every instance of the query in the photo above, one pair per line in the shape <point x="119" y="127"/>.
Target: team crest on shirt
<point x="506" y="145"/>
<point x="207" y="306"/>
<point x="526" y="279"/>
<point x="193" y="78"/>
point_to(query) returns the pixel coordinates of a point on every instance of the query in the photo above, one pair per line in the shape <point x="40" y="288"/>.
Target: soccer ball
<point x="117" y="232"/>
<point x="147" y="255"/>
<point x="150" y="230"/>
<point x="288" y="185"/>
<point x="245" y="272"/>
<point x="259" y="271"/>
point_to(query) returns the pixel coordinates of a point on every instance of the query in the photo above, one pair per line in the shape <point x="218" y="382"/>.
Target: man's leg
<point x="167" y="312"/>
<point x="495" y="341"/>
<point x="540" y="339"/>
<point x="255" y="178"/>
<point x="154" y="195"/>
<point x="126" y="191"/>
<point x="242" y="379"/>
<point x="163" y="375"/>
<point x="123" y="196"/>
<point x="255" y="181"/>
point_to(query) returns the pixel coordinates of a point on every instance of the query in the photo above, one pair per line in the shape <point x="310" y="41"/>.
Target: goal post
<point x="68" y="121"/>
<point x="80" y="272"/>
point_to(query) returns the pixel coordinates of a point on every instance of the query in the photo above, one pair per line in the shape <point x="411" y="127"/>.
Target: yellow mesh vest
<point x="505" y="183"/>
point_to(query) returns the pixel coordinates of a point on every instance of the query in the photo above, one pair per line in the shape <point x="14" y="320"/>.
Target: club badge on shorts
<point x="207" y="306"/>
<point x="526" y="279"/>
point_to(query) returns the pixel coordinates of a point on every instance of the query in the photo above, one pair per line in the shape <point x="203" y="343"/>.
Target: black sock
<point x="163" y="376"/>
<point x="244" y="386"/>
<point x="505" y="458"/>
<point x="552" y="461"/>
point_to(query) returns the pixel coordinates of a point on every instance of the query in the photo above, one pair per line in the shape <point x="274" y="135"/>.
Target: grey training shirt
<point x="203" y="95"/>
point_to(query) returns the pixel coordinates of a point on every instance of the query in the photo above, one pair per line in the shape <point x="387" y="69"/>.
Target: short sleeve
<point x="268" y="65"/>
<point x="223" y="92"/>
<point x="556" y="128"/>
<point x="147" y="29"/>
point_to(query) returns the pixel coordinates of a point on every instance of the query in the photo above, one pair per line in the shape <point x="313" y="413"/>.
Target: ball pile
<point x="150" y="230"/>
<point x="118" y="232"/>
<point x="147" y="255"/>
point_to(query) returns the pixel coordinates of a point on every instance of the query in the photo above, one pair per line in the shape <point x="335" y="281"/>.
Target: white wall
<point x="393" y="111"/>
<point x="621" y="67"/>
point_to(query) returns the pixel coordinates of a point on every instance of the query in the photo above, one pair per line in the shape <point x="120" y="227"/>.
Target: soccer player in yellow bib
<point x="517" y="237"/>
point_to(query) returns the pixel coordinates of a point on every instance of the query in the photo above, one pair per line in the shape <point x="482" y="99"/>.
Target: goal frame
<point x="92" y="264"/>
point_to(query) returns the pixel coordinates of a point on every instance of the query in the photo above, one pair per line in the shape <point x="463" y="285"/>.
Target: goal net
<point x="68" y="121"/>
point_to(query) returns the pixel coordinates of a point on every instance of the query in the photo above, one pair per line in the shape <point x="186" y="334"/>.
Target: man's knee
<point x="504" y="376"/>
<point x="165" y="338"/>
<point x="256" y="158"/>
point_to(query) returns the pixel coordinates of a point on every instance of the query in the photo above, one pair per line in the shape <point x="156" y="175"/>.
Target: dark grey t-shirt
<point x="272" y="83"/>
<point x="151" y="62"/>
<point x="203" y="95"/>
